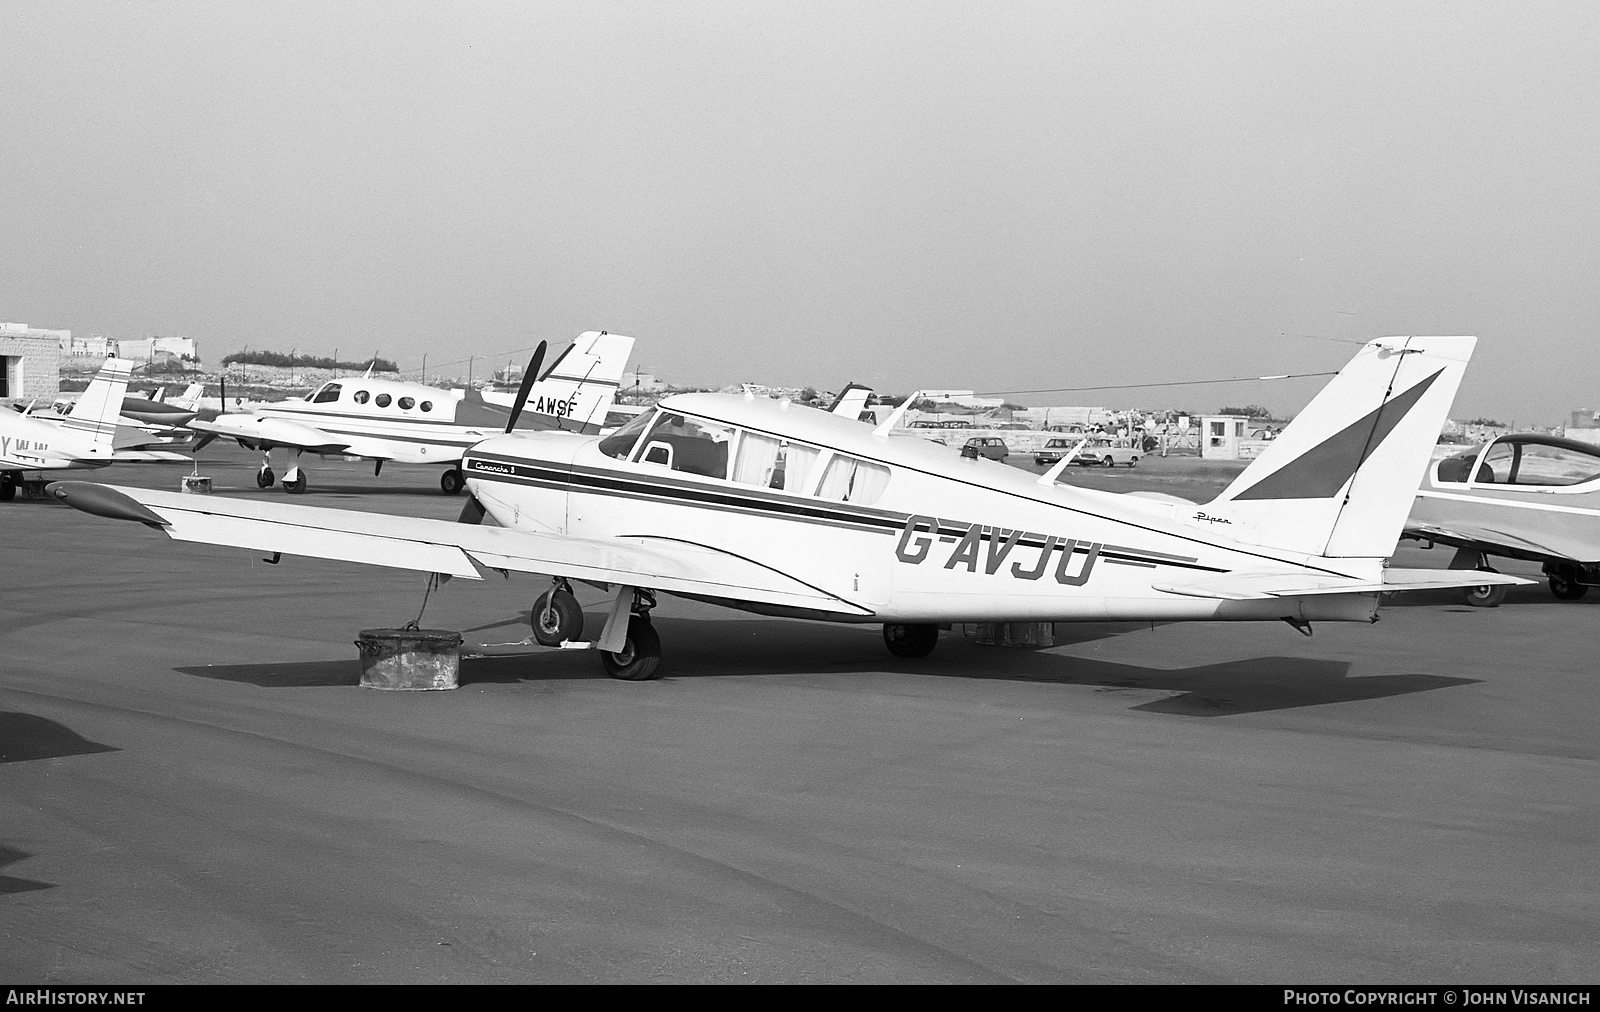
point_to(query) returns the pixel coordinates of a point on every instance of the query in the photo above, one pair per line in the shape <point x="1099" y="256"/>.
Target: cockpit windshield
<point x="620" y="443"/>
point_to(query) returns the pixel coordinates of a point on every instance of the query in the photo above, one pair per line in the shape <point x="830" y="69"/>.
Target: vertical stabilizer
<point x="1340" y="480"/>
<point x="95" y="413"/>
<point x="574" y="393"/>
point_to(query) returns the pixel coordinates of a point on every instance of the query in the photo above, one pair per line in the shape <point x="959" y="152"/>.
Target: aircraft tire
<point x="265" y="478"/>
<point x="1487" y="596"/>
<point x="910" y="640"/>
<point x="8" y="487"/>
<point x="640" y="653"/>
<point x="451" y="482"/>
<point x="1565" y="586"/>
<point x="562" y="621"/>
<point x="296" y="487"/>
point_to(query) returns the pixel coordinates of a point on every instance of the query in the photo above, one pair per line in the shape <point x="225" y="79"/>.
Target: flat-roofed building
<point x="30" y="363"/>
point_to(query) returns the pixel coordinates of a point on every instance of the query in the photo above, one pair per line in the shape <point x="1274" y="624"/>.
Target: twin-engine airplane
<point x="1527" y="496"/>
<point x="83" y="439"/>
<point x="783" y="510"/>
<point x="383" y="420"/>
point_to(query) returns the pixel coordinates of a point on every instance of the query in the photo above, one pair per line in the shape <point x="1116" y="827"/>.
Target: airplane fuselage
<point x="891" y="530"/>
<point x="29" y="444"/>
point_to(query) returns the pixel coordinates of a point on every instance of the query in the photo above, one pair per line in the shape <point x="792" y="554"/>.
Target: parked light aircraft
<point x="1522" y="496"/>
<point x="382" y="420"/>
<point x="783" y="510"/>
<point x="83" y="439"/>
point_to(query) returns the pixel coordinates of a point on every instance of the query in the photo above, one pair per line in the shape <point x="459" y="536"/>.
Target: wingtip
<point x="103" y="501"/>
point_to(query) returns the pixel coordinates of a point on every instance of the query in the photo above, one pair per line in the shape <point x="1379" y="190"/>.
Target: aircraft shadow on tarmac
<point x="711" y="648"/>
<point x="12" y="884"/>
<point x="25" y="737"/>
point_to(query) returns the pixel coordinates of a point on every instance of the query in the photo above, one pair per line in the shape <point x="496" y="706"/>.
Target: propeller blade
<point x="472" y="511"/>
<point x="528" y="379"/>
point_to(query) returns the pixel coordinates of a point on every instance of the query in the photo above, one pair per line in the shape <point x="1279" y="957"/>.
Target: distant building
<point x="94" y="346"/>
<point x="1583" y="418"/>
<point x="158" y="349"/>
<point x="30" y="363"/>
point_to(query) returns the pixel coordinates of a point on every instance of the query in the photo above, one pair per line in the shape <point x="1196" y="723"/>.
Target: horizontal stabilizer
<point x="1263" y="586"/>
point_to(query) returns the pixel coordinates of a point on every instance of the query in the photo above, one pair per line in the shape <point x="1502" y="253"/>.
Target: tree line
<point x="290" y="361"/>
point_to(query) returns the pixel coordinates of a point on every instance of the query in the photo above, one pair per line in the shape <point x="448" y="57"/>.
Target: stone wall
<point x="40" y="368"/>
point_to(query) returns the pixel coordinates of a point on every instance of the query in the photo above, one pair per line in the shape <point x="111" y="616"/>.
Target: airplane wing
<point x="1262" y="586"/>
<point x="269" y="432"/>
<point x="1472" y="534"/>
<point x="442" y="546"/>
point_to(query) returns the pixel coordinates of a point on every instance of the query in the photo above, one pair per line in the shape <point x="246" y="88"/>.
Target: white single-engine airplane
<point x="784" y="510"/>
<point x="82" y="439"/>
<point x="410" y="423"/>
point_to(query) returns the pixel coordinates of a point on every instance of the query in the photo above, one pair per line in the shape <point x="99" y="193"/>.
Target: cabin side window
<point x="426" y="405"/>
<point x="689" y="445"/>
<point x="851" y="480"/>
<point x="620" y="443"/>
<point x="361" y="397"/>
<point x="757" y="461"/>
<point x="406" y="403"/>
<point x="1555" y="465"/>
<point x="328" y="393"/>
<point x="382" y="400"/>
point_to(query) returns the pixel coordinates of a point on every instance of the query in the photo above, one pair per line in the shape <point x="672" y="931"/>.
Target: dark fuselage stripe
<point x="875" y="521"/>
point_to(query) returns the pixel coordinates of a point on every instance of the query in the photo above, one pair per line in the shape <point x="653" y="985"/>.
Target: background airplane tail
<point x="586" y="377"/>
<point x="96" y="411"/>
<point x="1340" y="480"/>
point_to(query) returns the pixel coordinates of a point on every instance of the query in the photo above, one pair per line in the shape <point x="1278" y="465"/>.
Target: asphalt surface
<point x="194" y="789"/>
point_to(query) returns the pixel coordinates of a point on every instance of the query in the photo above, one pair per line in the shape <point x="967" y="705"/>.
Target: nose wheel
<point x="557" y="617"/>
<point x="451" y="481"/>
<point x="265" y="478"/>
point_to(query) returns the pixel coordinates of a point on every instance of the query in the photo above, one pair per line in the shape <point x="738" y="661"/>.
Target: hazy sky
<point x="998" y="196"/>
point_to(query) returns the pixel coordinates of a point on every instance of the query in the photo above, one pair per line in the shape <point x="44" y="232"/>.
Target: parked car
<point x="1106" y="453"/>
<point x="1053" y="450"/>
<point x="992" y="447"/>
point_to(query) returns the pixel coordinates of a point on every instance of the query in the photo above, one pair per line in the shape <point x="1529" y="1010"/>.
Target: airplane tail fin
<point x="580" y="385"/>
<point x="189" y="400"/>
<point x="96" y="411"/>
<point x="852" y="400"/>
<point x="1340" y="480"/>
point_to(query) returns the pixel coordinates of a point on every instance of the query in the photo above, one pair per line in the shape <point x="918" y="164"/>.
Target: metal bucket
<point x="409" y="659"/>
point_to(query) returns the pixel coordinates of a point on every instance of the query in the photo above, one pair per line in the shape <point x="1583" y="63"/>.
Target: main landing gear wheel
<point x="8" y="486"/>
<point x="556" y="617"/>
<point x="640" y="653"/>
<point x="1487" y="596"/>
<point x="910" y="640"/>
<point x="451" y="481"/>
<point x="1564" y="584"/>
<point x="297" y="486"/>
<point x="265" y="478"/>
